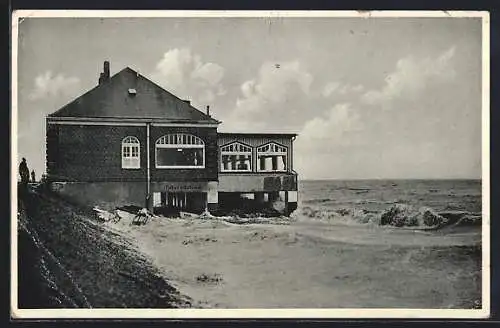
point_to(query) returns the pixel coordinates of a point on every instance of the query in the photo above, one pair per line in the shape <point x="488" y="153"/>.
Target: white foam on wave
<point x="397" y="215"/>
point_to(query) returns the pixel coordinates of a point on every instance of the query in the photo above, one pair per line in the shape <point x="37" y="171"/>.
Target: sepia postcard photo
<point x="234" y="164"/>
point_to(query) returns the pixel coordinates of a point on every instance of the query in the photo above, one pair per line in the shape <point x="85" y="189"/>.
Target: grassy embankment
<point x="67" y="260"/>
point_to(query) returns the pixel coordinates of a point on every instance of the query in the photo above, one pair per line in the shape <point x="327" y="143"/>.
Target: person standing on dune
<point x="24" y="172"/>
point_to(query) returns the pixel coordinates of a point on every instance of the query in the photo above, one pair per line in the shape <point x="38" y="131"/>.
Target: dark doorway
<point x="171" y="203"/>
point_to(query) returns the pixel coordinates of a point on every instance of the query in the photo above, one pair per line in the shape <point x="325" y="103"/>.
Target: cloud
<point x="276" y="91"/>
<point x="345" y="131"/>
<point x="332" y="88"/>
<point x="324" y="140"/>
<point x="47" y="85"/>
<point x="273" y="86"/>
<point x="357" y="88"/>
<point x="364" y="113"/>
<point x="187" y="76"/>
<point x="361" y="139"/>
<point x="411" y="76"/>
<point x="340" y="120"/>
<point x="48" y="93"/>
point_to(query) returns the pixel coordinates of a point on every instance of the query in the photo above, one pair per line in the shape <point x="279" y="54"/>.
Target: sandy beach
<point x="302" y="263"/>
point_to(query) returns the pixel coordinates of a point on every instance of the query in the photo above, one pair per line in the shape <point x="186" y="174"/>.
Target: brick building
<point x="129" y="142"/>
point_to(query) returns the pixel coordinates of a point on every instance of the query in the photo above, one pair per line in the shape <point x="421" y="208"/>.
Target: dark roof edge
<point x="258" y="134"/>
<point x="129" y="120"/>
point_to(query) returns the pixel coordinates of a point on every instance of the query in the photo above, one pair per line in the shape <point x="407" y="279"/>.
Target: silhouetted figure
<point x="33" y="176"/>
<point x="24" y="172"/>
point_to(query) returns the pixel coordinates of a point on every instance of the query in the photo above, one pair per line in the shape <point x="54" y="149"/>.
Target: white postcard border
<point x="484" y="312"/>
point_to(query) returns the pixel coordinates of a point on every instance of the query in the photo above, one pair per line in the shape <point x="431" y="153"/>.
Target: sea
<point x="457" y="202"/>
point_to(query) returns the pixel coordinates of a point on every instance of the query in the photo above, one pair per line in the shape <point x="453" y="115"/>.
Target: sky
<point x="370" y="98"/>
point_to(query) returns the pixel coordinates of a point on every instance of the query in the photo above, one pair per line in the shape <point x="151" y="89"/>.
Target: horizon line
<point x="395" y="179"/>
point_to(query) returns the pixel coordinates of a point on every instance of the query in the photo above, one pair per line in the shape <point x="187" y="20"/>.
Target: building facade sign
<point x="185" y="186"/>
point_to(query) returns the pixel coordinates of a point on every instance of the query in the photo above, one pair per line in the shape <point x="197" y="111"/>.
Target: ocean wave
<point x="397" y="215"/>
<point x="343" y="215"/>
<point x="359" y="189"/>
<point x="280" y="220"/>
<point x="318" y="200"/>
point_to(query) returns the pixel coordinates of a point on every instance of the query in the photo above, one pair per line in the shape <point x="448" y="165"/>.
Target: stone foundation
<point x="106" y="195"/>
<point x="109" y="195"/>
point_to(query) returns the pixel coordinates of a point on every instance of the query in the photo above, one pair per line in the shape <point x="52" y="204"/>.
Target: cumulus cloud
<point x="317" y="140"/>
<point x="272" y="86"/>
<point x="285" y="92"/>
<point x="405" y="143"/>
<point x="324" y="140"/>
<point x="338" y="121"/>
<point x="48" y="93"/>
<point x="411" y="76"/>
<point x="345" y="130"/>
<point x="332" y="88"/>
<point x="187" y="76"/>
<point x="277" y="90"/>
<point x="47" y="85"/>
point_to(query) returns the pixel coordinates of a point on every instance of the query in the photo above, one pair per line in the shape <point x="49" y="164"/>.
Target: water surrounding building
<point x="130" y="142"/>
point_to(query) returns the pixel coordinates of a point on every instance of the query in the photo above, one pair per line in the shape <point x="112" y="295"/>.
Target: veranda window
<point x="131" y="158"/>
<point x="180" y="150"/>
<point x="272" y="157"/>
<point x="236" y="157"/>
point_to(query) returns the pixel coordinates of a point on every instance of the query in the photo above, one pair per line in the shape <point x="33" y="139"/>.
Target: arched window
<point x="272" y="157"/>
<point x="131" y="158"/>
<point x="236" y="157"/>
<point x="180" y="151"/>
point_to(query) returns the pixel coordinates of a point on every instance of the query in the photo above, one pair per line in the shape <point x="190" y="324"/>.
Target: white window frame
<point x="236" y="152"/>
<point x="128" y="144"/>
<point x="275" y="150"/>
<point x="186" y="141"/>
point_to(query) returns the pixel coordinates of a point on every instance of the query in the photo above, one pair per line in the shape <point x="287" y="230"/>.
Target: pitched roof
<point x="112" y="99"/>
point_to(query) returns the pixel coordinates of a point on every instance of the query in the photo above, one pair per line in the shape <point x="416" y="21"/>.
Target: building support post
<point x="212" y="196"/>
<point x="286" y="203"/>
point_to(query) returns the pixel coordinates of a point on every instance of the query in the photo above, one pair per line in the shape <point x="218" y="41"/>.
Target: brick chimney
<point x="208" y="110"/>
<point x="106" y="70"/>
<point x="104" y="76"/>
